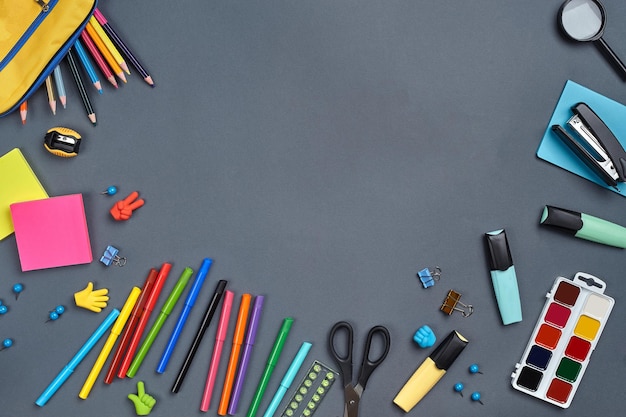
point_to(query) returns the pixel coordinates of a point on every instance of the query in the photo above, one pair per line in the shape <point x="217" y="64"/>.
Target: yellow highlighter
<point x="116" y="330"/>
<point x="430" y="371"/>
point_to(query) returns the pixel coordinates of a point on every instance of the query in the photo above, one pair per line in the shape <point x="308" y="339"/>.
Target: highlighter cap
<point x="499" y="253"/>
<point x="448" y="350"/>
<point x="568" y="221"/>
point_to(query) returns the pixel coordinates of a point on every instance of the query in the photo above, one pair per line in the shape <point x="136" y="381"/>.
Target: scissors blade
<point x="351" y="401"/>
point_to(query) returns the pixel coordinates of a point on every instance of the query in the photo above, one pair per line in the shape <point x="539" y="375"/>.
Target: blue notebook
<point x="552" y="148"/>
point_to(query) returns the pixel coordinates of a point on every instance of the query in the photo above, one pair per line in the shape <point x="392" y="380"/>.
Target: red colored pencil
<point x="150" y="302"/>
<point x="97" y="56"/>
<point x="130" y="326"/>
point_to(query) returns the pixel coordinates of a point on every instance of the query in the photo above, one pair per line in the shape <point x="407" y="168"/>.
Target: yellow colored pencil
<point x="91" y="31"/>
<point x="109" y="44"/>
<point x="51" y="101"/>
<point x="116" y="330"/>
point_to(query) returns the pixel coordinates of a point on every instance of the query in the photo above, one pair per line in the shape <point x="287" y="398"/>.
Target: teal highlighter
<point x="584" y="226"/>
<point x="503" y="277"/>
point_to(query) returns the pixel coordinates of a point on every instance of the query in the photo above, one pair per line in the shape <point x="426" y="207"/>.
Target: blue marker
<point x="189" y="302"/>
<point x="80" y="355"/>
<point x="288" y="379"/>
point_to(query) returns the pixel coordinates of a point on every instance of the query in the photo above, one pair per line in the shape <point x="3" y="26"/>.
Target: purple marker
<point x="247" y="352"/>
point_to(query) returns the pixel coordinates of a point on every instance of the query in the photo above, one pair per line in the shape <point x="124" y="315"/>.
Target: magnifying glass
<point x="584" y="21"/>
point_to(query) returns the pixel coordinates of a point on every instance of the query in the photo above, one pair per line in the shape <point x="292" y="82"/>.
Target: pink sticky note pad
<point x="51" y="232"/>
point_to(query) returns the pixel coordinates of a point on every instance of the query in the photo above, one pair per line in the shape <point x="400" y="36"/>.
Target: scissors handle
<point x="343" y="361"/>
<point x="368" y="365"/>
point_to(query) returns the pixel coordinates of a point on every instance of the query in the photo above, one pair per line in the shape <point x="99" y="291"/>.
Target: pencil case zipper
<point x="46" y="7"/>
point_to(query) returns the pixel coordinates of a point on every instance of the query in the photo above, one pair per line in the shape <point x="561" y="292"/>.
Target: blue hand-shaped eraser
<point x="424" y="337"/>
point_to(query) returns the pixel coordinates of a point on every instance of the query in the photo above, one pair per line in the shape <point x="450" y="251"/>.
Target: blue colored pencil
<point x="84" y="59"/>
<point x="58" y="79"/>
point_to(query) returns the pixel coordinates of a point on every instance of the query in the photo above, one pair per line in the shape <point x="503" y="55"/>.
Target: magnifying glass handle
<point x="619" y="65"/>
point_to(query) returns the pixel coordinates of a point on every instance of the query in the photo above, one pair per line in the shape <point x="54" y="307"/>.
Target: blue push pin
<point x="6" y="343"/>
<point x="3" y="309"/>
<point x="56" y="313"/>
<point x="458" y="387"/>
<point x="473" y="369"/>
<point x="111" y="190"/>
<point x="476" y="397"/>
<point x="17" y="289"/>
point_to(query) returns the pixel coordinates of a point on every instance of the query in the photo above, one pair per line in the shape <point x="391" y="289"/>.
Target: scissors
<point x="353" y="393"/>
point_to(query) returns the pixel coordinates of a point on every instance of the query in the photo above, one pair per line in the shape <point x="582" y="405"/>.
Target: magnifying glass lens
<point x="582" y="19"/>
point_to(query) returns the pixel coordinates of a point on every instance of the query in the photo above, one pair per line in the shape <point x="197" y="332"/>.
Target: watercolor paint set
<point x="563" y="340"/>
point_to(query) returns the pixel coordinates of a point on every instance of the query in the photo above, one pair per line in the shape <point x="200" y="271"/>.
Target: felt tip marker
<point x="240" y="329"/>
<point x="248" y="344"/>
<point x="220" y="338"/>
<point x="503" y="277"/>
<point x="584" y="226"/>
<point x="272" y="360"/>
<point x="204" y="325"/>
<point x="287" y="380"/>
<point x="116" y="330"/>
<point x="167" y="308"/>
<point x="182" y="319"/>
<point x="76" y="360"/>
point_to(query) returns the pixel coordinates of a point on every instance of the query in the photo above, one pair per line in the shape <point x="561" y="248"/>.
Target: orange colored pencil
<point x="23" y="111"/>
<point x="97" y="56"/>
<point x="240" y="329"/>
<point x="105" y="52"/>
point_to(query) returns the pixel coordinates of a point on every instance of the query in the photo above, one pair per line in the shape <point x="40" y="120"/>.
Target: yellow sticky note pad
<point x="18" y="183"/>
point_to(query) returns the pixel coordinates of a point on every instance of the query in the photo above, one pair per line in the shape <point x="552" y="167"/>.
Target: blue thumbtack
<point x="111" y="190"/>
<point x="17" y="289"/>
<point x="476" y="397"/>
<point x="56" y="313"/>
<point x="3" y="308"/>
<point x="110" y="257"/>
<point x="473" y="369"/>
<point x="458" y="387"/>
<point x="6" y="343"/>
<point x="429" y="277"/>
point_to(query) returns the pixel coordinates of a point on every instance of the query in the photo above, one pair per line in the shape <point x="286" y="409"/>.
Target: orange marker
<point x="240" y="329"/>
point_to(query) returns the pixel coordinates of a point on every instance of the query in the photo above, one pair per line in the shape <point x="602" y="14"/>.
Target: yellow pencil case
<point x="34" y="36"/>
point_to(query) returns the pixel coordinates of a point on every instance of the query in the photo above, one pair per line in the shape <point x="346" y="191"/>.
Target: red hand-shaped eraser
<point x="123" y="209"/>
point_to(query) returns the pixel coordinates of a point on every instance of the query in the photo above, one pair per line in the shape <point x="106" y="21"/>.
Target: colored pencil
<point x="130" y="328"/>
<point x="84" y="59"/>
<point x="58" y="80"/>
<point x="51" y="101"/>
<point x="107" y="42"/>
<point x="123" y="47"/>
<point x="71" y="60"/>
<point x="105" y="52"/>
<point x="97" y="56"/>
<point x="23" y="111"/>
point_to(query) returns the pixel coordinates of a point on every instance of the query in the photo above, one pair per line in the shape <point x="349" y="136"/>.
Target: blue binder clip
<point x="110" y="257"/>
<point x="429" y="277"/>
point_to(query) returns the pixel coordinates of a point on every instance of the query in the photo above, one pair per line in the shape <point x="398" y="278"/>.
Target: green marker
<point x="167" y="308"/>
<point x="272" y="360"/>
<point x="584" y="226"/>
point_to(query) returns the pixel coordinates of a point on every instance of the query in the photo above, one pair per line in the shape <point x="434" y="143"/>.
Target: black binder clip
<point x="452" y="302"/>
<point x="594" y="144"/>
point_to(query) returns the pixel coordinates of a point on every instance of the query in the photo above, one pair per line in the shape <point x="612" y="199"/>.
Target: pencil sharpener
<point x="62" y="141"/>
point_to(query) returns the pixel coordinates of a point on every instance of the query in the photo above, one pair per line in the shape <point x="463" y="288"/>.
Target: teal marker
<point x="287" y="380"/>
<point x="584" y="226"/>
<point x="503" y="277"/>
<point x="272" y="360"/>
<point x="167" y="308"/>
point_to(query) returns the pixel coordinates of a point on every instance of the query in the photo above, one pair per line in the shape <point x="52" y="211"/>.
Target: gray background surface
<point x="322" y="152"/>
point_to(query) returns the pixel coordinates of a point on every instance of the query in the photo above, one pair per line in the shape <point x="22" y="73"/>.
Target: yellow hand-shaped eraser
<point x="92" y="300"/>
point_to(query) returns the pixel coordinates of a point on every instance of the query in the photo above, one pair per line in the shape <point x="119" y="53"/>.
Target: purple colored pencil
<point x="253" y="325"/>
<point x="122" y="46"/>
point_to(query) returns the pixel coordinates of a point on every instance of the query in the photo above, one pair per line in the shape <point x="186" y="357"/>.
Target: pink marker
<point x="220" y="338"/>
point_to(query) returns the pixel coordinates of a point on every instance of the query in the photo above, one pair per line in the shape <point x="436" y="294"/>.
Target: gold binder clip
<point x="451" y="303"/>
